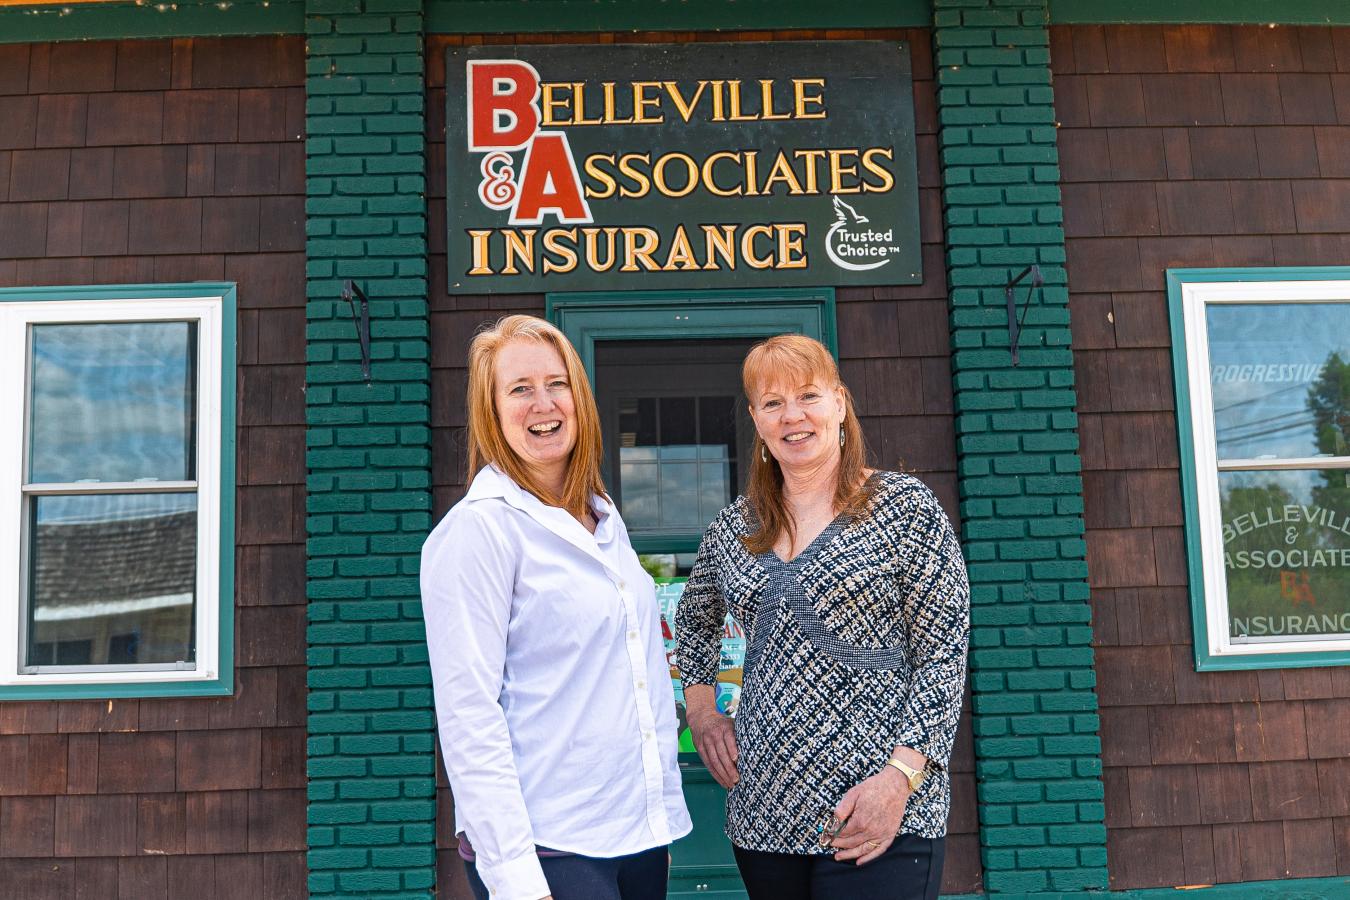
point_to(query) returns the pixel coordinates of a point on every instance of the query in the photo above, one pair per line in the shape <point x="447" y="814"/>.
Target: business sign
<point x="652" y="166"/>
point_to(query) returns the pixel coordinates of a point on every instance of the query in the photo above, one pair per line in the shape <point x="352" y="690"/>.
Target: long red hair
<point x="487" y="442"/>
<point x="797" y="359"/>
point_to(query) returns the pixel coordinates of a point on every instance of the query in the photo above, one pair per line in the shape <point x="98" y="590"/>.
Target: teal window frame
<point x="1177" y="281"/>
<point x="689" y="315"/>
<point x="106" y="685"/>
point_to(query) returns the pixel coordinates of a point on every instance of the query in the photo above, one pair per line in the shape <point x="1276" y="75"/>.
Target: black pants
<point x="910" y="869"/>
<point x="641" y="876"/>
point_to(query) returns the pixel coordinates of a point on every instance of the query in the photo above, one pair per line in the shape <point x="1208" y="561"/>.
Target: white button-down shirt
<point x="553" y="696"/>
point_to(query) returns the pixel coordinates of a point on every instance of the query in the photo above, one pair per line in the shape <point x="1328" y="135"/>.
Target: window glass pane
<point x="673" y="413"/>
<point x="645" y="427"/>
<point x="60" y="653"/>
<point x="641" y="504"/>
<point x="1286" y="541"/>
<point x="716" y="441"/>
<point x="1280" y="373"/>
<point x="678" y="425"/>
<point x="112" y="402"/>
<point x="667" y="565"/>
<point x="112" y="579"/>
<point x="679" y="494"/>
<point x="714" y="488"/>
<point x="679" y="452"/>
<point x="717" y="422"/>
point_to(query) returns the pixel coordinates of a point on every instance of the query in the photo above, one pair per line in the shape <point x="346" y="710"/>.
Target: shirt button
<point x="632" y="635"/>
<point x="623" y="585"/>
<point x="642" y="685"/>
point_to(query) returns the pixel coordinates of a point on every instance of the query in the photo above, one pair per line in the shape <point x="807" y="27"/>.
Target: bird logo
<point x="843" y="213"/>
<point x="845" y="238"/>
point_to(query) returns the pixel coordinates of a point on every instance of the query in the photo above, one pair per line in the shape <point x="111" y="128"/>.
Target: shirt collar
<point x="493" y="482"/>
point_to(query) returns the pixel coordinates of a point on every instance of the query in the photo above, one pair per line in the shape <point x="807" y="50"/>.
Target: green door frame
<point x="654" y="315"/>
<point x="703" y="866"/>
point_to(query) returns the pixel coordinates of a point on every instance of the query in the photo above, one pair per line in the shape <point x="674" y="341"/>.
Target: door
<point x="676" y="432"/>
<point x="677" y="436"/>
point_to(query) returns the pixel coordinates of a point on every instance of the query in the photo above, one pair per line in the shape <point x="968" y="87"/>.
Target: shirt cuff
<point x="521" y="878"/>
<point x="918" y="741"/>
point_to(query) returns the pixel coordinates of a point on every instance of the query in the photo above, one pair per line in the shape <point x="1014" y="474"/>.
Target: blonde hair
<point x="797" y="359"/>
<point x="487" y="441"/>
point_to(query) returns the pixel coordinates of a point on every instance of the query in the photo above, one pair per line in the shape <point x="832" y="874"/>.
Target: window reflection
<point x="112" y="579"/>
<point x="1286" y="542"/>
<point x="676" y="460"/>
<point x="676" y="428"/>
<point x="112" y="402"/>
<point x="1280" y="374"/>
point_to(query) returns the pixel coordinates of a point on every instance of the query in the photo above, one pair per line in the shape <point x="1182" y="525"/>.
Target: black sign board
<point x="645" y="167"/>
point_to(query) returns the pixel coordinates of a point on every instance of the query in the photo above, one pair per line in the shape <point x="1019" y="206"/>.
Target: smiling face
<point x="535" y="407"/>
<point x="799" y="423"/>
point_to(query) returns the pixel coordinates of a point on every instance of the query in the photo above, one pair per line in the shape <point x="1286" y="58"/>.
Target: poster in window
<point x="668" y="592"/>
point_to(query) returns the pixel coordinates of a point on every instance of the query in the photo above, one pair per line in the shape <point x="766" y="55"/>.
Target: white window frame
<point x="1214" y="647"/>
<point x="15" y="318"/>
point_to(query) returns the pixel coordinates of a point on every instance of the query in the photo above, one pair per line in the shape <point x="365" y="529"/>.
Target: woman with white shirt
<point x="556" y="718"/>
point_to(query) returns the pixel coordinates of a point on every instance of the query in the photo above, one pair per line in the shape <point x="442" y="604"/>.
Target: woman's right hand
<point x="714" y="734"/>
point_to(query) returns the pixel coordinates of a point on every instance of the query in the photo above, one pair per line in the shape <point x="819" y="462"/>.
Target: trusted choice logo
<point x="851" y="244"/>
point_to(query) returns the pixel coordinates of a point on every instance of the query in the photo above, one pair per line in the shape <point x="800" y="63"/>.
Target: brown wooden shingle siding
<point x="1193" y="146"/>
<point x="894" y="350"/>
<point x="145" y="161"/>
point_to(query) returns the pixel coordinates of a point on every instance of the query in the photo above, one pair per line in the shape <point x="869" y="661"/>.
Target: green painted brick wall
<point x="371" y="726"/>
<point x="1038" y="757"/>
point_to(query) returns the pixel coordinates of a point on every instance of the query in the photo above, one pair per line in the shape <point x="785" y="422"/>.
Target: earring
<point x="763" y="453"/>
<point x="841" y="437"/>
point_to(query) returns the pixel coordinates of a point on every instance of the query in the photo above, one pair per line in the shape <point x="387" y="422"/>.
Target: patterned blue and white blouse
<point x="856" y="645"/>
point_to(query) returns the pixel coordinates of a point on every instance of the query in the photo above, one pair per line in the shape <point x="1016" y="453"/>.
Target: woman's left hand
<point x="873" y="810"/>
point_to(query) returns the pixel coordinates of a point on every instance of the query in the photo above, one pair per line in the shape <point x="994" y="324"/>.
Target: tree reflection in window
<point x="1287" y="532"/>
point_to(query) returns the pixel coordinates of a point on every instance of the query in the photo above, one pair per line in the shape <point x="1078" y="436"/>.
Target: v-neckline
<point x="826" y="535"/>
<point x="830" y="529"/>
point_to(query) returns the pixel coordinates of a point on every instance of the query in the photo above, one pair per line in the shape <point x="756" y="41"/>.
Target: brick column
<point x="371" y="726"/>
<point x="1038" y="757"/>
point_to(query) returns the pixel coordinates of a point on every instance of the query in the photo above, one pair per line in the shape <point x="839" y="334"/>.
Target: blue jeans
<point x="640" y="876"/>
<point x="910" y="869"/>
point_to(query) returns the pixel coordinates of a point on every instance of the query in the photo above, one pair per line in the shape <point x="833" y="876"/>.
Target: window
<point x="116" y="491"/>
<point x="1262" y="362"/>
<point x="678" y="433"/>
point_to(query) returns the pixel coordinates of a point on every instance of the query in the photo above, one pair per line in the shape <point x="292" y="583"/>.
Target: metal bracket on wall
<point x="350" y="292"/>
<point x="1015" y="323"/>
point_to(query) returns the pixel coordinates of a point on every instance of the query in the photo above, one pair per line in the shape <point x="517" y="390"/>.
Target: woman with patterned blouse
<point x="851" y="588"/>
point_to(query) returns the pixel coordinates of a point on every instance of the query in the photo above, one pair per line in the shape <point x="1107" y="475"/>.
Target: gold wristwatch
<point x="914" y="776"/>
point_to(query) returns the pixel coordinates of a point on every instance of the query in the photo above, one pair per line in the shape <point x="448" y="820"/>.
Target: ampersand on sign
<point x="498" y="188"/>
